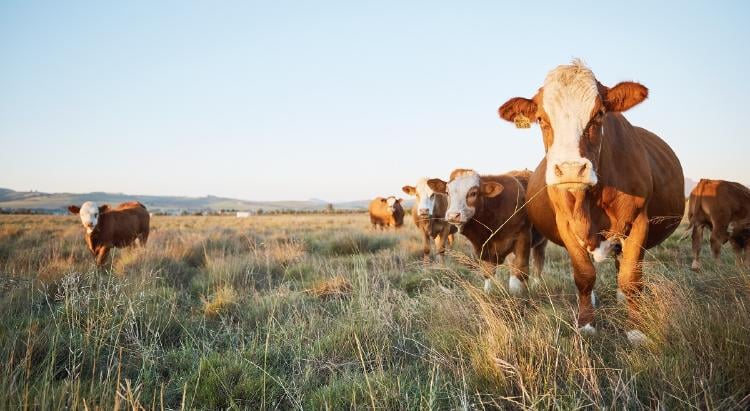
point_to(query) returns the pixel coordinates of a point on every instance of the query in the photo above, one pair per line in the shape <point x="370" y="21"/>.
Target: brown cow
<point x="720" y="205"/>
<point x="112" y="227"/>
<point x="386" y="212"/>
<point x="606" y="180"/>
<point x="488" y="211"/>
<point x="428" y="213"/>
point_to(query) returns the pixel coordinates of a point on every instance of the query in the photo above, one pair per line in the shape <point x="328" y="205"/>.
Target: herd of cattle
<point x="604" y="188"/>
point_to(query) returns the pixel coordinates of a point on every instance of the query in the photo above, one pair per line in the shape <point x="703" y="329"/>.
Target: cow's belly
<point x="667" y="204"/>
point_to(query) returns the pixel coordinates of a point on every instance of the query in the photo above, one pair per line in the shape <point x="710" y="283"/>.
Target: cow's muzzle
<point x="572" y="175"/>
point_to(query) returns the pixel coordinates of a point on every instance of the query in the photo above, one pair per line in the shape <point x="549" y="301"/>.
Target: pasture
<point x="321" y="312"/>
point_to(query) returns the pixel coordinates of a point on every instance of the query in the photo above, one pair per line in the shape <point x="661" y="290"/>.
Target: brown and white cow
<point x="723" y="207"/>
<point x="428" y="213"/>
<point x="606" y="180"/>
<point x="108" y="227"/>
<point x="488" y="211"/>
<point x="386" y="212"/>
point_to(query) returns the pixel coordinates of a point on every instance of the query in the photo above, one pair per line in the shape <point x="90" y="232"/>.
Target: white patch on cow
<point x="425" y="197"/>
<point x="602" y="252"/>
<point x="515" y="286"/>
<point x="487" y="285"/>
<point x="621" y="296"/>
<point x="587" y="329"/>
<point x="637" y="338"/>
<point x="390" y="202"/>
<point x="89" y="216"/>
<point x="570" y="92"/>
<point x="458" y="188"/>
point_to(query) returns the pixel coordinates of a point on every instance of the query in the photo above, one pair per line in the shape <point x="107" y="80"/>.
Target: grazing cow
<point x="428" y="213"/>
<point x="724" y="207"/>
<point x="602" y="180"/>
<point x="488" y="211"/>
<point x="112" y="227"/>
<point x="386" y="212"/>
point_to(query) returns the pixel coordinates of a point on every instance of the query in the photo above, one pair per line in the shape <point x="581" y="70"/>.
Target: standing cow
<point x="606" y="180"/>
<point x="488" y="211"/>
<point x="386" y="212"/>
<point x="428" y="213"/>
<point x="112" y="227"/>
<point x="723" y="207"/>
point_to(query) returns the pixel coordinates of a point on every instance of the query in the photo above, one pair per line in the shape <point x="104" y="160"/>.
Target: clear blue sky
<point x="341" y="100"/>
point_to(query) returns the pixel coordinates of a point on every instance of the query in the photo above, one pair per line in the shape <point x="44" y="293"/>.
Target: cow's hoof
<point x="515" y="286"/>
<point x="621" y="296"/>
<point x="695" y="266"/>
<point x="487" y="285"/>
<point x="637" y="338"/>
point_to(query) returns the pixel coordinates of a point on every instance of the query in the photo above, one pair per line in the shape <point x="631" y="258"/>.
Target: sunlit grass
<point x="320" y="312"/>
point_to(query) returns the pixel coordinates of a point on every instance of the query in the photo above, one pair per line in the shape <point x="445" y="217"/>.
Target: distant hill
<point x="10" y="199"/>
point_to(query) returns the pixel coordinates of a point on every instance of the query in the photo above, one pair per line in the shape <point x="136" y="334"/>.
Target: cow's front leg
<point x="520" y="265"/>
<point x="629" y="278"/>
<point x="101" y="255"/>
<point x="440" y="247"/>
<point x="426" y="247"/>
<point x="584" y="276"/>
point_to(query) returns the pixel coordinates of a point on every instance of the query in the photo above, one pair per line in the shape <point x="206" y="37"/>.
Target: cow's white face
<point x="463" y="192"/>
<point x="89" y="216"/>
<point x="570" y="96"/>
<point x="391" y="204"/>
<point x="425" y="198"/>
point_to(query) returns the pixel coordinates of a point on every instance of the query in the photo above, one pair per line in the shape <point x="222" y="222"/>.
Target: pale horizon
<point x="340" y="101"/>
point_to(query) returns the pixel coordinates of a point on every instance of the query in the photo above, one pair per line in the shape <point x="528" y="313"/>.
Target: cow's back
<point x="121" y="226"/>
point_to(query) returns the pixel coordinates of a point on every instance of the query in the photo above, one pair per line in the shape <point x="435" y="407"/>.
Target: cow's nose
<point x="424" y="211"/>
<point x="573" y="173"/>
<point x="453" y="217"/>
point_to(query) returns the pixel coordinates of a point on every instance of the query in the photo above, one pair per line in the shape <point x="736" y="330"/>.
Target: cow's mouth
<point x="572" y="186"/>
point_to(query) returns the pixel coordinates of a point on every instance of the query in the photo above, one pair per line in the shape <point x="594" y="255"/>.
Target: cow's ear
<point x="437" y="185"/>
<point x="624" y="95"/>
<point x="103" y="208"/>
<point x="74" y="209"/>
<point x="383" y="200"/>
<point x="491" y="189"/>
<point x="512" y="109"/>
<point x="409" y="190"/>
<point x="400" y="200"/>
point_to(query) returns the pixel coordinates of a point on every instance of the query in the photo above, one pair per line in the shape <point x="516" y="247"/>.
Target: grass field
<point x="319" y="312"/>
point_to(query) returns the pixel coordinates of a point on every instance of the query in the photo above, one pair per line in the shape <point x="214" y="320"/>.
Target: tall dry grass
<point x="319" y="312"/>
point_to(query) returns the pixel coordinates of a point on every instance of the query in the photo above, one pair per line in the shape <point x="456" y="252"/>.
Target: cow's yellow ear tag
<point x="522" y="121"/>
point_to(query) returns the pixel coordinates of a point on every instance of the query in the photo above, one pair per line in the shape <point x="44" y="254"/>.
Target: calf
<point x="724" y="207"/>
<point x="112" y="227"/>
<point x="428" y="213"/>
<point x="386" y="212"/>
<point x="489" y="211"/>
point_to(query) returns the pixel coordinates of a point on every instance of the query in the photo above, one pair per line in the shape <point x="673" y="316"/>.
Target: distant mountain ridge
<point x="34" y="200"/>
<point x="14" y="200"/>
